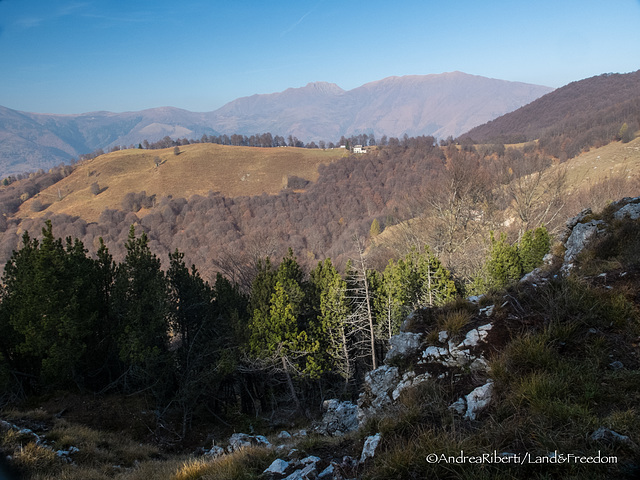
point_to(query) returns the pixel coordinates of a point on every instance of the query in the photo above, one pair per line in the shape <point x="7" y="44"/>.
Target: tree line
<point x="84" y="322"/>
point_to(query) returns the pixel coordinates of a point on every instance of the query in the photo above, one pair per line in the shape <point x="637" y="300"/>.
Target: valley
<point x="170" y="304"/>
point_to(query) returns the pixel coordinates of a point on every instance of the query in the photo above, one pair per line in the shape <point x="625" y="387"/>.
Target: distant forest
<point x="455" y="194"/>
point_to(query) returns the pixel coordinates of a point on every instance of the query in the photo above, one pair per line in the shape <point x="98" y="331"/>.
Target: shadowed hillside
<point x="573" y="118"/>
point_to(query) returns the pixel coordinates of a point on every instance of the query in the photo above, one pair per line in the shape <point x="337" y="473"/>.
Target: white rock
<point x="327" y="473"/>
<point x="581" y="235"/>
<point x="443" y="336"/>
<point x="459" y="406"/>
<point x="631" y="210"/>
<point x="215" y="451"/>
<point x="338" y="419"/>
<point x="370" y="445"/>
<point x="488" y="311"/>
<point x="478" y="399"/>
<point x="278" y="466"/>
<point x="284" y="435"/>
<point x="608" y="435"/>
<point x="238" y="441"/>
<point x="475" y="298"/>
<point x="403" y="345"/>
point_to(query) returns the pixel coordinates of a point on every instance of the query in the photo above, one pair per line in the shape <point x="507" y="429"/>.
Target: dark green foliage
<point x="139" y="305"/>
<point x="504" y="265"/>
<point x="49" y="311"/>
<point x="533" y="246"/>
<point x="507" y="263"/>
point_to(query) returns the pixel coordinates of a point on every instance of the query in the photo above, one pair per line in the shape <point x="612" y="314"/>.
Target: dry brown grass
<point x="198" y="169"/>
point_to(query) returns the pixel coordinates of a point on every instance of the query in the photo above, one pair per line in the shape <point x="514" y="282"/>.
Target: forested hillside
<point x="583" y="114"/>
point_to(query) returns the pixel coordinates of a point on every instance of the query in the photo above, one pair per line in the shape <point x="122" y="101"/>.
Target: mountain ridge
<point x="393" y="106"/>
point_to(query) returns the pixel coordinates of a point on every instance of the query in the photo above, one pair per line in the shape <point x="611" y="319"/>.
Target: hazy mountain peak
<point x="324" y="87"/>
<point x="439" y="104"/>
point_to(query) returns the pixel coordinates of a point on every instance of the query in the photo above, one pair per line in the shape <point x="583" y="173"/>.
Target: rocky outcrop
<point x="242" y="440"/>
<point x="339" y="418"/>
<point x="581" y="235"/>
<point x="454" y="354"/>
<point x="630" y="210"/>
<point x="581" y="231"/>
<point x="369" y="449"/>
<point x="403" y="345"/>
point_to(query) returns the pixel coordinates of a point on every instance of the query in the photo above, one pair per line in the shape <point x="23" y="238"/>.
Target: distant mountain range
<point x="440" y="105"/>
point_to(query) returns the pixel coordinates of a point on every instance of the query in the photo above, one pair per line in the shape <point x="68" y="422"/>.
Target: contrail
<point x="298" y="22"/>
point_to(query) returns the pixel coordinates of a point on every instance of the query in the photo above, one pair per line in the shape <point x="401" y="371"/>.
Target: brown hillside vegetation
<point x="196" y="170"/>
<point x="572" y="119"/>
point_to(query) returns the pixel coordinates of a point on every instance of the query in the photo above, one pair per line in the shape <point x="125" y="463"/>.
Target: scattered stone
<point x="604" y="434"/>
<point x="278" y="467"/>
<point x="284" y="435"/>
<point x="443" y="336"/>
<point x="459" y="406"/>
<point x="488" y="311"/>
<point x="403" y="345"/>
<point x="478" y="400"/>
<point x="310" y="459"/>
<point x="475" y="298"/>
<point x="215" y="452"/>
<point x="239" y="441"/>
<point x="327" y="473"/>
<point x="459" y="355"/>
<point x="370" y="445"/>
<point x="617" y="365"/>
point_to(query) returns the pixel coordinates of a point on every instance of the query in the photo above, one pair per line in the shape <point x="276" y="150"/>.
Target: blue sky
<point x="62" y="56"/>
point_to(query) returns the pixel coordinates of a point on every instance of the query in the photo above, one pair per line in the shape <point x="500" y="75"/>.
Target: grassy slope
<point x="597" y="164"/>
<point x="198" y="169"/>
<point x="583" y="171"/>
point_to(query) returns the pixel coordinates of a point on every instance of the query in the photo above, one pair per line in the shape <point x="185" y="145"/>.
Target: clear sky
<point x="72" y="56"/>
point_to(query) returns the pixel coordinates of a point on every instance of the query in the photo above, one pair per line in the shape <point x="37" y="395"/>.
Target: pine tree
<point x="48" y="312"/>
<point x="330" y="296"/>
<point x="140" y="307"/>
<point x="533" y="246"/>
<point x="415" y="281"/>
<point x="504" y="265"/>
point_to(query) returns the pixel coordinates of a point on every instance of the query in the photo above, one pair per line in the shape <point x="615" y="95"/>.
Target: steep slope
<point x="602" y="102"/>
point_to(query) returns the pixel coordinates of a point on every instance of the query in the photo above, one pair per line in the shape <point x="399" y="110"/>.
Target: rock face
<point x="631" y="210"/>
<point x="339" y="418"/>
<point x="378" y="386"/>
<point x="403" y="345"/>
<point x="581" y="235"/>
<point x="370" y="445"/>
